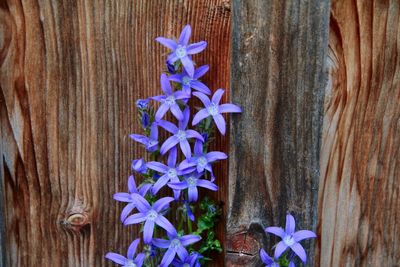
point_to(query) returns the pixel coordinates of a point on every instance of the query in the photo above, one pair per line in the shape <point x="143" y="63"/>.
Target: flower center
<point x="181" y="135"/>
<point x="180" y="52"/>
<point x="186" y="80"/>
<point x="130" y="263"/>
<point x="288" y="240"/>
<point x="202" y="162"/>
<point x="213" y="109"/>
<point x="171" y="172"/>
<point x="176" y="243"/>
<point x="152" y="215"/>
<point x="170" y="100"/>
<point x="186" y="265"/>
<point x="191" y="181"/>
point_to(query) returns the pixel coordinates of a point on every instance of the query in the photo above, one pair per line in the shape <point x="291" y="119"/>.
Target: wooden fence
<point x="319" y="83"/>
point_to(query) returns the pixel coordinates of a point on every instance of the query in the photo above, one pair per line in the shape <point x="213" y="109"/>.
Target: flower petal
<point x="207" y="184"/>
<point x="132" y="248"/>
<point x="280" y="248"/>
<point x="161" y="243"/>
<point x="125" y="211"/>
<point x="182" y="124"/>
<point x="161" y="111"/>
<point x="196" y="48"/>
<point x="231" y="108"/>
<point x="171" y="44"/>
<point x="165" y="224"/>
<point x="290" y="224"/>
<point x="169" y="256"/>
<point x="265" y="257"/>
<point x="157" y="166"/>
<point x="303" y="234"/>
<point x="220" y="122"/>
<point x="299" y="250"/>
<point x="139" y="259"/>
<point x="139" y="138"/>
<point x="201" y="115"/>
<point x="118" y="259"/>
<point x="123" y="197"/>
<point x="198" y="148"/>
<point x="203" y="98"/>
<point x="161" y="182"/>
<point x="148" y="230"/>
<point x="177" y="111"/>
<point x="165" y="85"/>
<point x="182" y="253"/>
<point x="131" y="184"/>
<point x="215" y="155"/>
<point x="169" y="126"/>
<point x="185" y="147"/>
<point x="278" y="231"/>
<point x="189" y="239"/>
<point x="168" y="144"/>
<point x="201" y="87"/>
<point x="216" y="98"/>
<point x="194" y="134"/>
<point x="200" y="71"/>
<point x="141" y="203"/>
<point x="154" y="131"/>
<point x="135" y="219"/>
<point x="178" y="186"/>
<point x="172" y="158"/>
<point x="193" y="193"/>
<point x="185" y="35"/>
<point x="162" y="203"/>
<point x="188" y="65"/>
<point x="176" y="78"/>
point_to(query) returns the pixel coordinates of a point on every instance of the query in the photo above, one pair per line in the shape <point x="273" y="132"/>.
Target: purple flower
<point x="180" y="135"/>
<point x="139" y="165"/>
<point x="181" y="50"/>
<point x="168" y="101"/>
<point x="191" y="260"/>
<point x="127" y="197"/>
<point x="150" y="215"/>
<point x="145" y="120"/>
<point x="175" y="246"/>
<point x="130" y="261"/>
<point x="170" y="173"/>
<point x="290" y="238"/>
<point x="192" y="82"/>
<point x="151" y="142"/>
<point x="214" y="109"/>
<point x="269" y="262"/>
<point x="191" y="182"/>
<point x="202" y="161"/>
<point x="142" y="103"/>
<point x="189" y="211"/>
<point x="170" y="67"/>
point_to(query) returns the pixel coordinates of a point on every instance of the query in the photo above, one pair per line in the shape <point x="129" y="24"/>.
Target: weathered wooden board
<point x="69" y="74"/>
<point x="278" y="77"/>
<point x="359" y="197"/>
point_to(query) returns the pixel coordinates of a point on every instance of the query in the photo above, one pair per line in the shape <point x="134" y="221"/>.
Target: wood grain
<point x="359" y="202"/>
<point x="278" y="77"/>
<point x="70" y="72"/>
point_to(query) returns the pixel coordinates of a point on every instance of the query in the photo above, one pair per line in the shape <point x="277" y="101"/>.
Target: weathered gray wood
<point x="278" y="77"/>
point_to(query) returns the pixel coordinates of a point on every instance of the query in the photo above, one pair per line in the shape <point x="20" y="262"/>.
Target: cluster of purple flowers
<point x="144" y="206"/>
<point x="289" y="246"/>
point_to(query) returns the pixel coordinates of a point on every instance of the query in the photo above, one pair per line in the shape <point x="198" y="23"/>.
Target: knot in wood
<point x="77" y="221"/>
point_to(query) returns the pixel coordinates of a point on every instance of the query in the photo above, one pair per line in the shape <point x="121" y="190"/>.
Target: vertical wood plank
<point x="70" y="72"/>
<point x="278" y="77"/>
<point x="359" y="202"/>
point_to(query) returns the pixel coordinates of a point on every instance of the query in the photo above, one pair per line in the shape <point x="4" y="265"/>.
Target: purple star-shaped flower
<point x="191" y="182"/>
<point x="202" y="161"/>
<point x="169" y="171"/>
<point x="191" y="260"/>
<point x="139" y="165"/>
<point x="290" y="238"/>
<point x="214" y="109"/>
<point x="151" y="142"/>
<point x="192" y="82"/>
<point x="270" y="262"/>
<point x="175" y="246"/>
<point x="181" y="50"/>
<point x="128" y="261"/>
<point x="168" y="101"/>
<point x="150" y="215"/>
<point x="180" y="135"/>
<point x="127" y="197"/>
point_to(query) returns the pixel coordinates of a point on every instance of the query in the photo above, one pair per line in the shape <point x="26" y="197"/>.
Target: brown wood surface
<point x="359" y="201"/>
<point x="70" y="72"/>
<point x="278" y="77"/>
